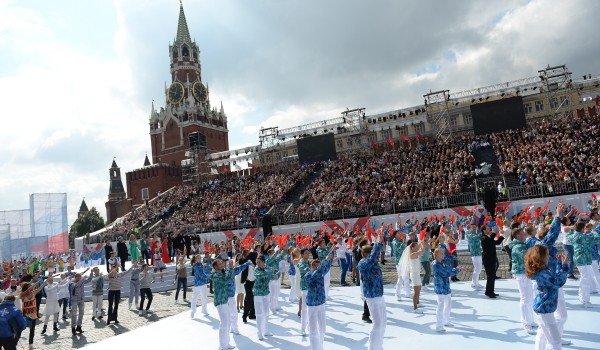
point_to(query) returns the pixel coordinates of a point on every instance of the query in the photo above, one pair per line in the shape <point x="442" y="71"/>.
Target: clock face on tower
<point x="199" y="92"/>
<point x="175" y="93"/>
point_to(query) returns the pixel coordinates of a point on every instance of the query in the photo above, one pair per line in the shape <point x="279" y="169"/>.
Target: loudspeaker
<point x="267" y="225"/>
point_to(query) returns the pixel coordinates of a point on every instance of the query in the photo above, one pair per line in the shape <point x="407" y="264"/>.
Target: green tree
<point x="84" y="225"/>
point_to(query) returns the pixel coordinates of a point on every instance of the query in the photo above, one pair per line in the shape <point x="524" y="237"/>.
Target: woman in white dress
<point x="239" y="287"/>
<point x="52" y="307"/>
<point x="410" y="262"/>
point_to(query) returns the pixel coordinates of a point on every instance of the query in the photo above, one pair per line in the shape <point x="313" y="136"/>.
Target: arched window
<point x="185" y="52"/>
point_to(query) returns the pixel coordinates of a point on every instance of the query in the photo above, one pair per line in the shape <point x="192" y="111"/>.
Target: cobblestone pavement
<point x="164" y="306"/>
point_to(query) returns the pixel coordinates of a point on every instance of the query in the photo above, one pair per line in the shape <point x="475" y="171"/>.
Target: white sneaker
<point x="440" y="329"/>
<point x="235" y="331"/>
<point x="230" y="347"/>
<point x="129" y="306"/>
<point x="268" y="334"/>
<point x="565" y="342"/>
<point x="184" y="300"/>
<point x="418" y="311"/>
<point x="192" y="314"/>
<point x="587" y="304"/>
<point x="303" y="332"/>
<point x="449" y="324"/>
<point x="399" y="298"/>
<point x="140" y="312"/>
<point x="530" y="330"/>
<point x="261" y="338"/>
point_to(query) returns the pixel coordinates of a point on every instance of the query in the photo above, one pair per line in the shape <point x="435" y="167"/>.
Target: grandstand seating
<point x="543" y="158"/>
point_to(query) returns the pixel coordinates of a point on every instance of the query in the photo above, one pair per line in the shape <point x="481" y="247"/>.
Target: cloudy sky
<point x="77" y="77"/>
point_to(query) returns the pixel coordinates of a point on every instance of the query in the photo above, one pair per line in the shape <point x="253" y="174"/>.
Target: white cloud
<point x="69" y="109"/>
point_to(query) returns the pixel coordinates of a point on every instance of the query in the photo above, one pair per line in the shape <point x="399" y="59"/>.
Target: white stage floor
<point x="479" y="323"/>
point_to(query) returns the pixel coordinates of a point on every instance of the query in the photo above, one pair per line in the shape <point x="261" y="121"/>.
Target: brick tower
<point x="187" y="120"/>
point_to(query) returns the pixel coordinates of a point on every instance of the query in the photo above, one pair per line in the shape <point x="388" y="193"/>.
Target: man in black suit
<point x="247" y="280"/>
<point x="490" y="196"/>
<point x="122" y="252"/>
<point x="107" y="250"/>
<point x="188" y="243"/>
<point x="488" y="257"/>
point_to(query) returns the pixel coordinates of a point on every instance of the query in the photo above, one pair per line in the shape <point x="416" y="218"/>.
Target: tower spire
<point x="183" y="33"/>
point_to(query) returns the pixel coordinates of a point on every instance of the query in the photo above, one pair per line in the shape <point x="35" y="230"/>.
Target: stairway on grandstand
<point x="292" y="198"/>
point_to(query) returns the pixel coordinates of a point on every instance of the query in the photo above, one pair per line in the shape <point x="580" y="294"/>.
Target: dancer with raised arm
<point x="231" y="289"/>
<point x="263" y="275"/>
<point x="315" y="299"/>
<point x="549" y="278"/>
<point x="518" y="249"/>
<point x="201" y="274"/>
<point x="474" y="240"/>
<point x="372" y="286"/>
<point x="442" y="271"/>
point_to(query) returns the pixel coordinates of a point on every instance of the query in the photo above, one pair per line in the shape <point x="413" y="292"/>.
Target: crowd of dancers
<point x="247" y="275"/>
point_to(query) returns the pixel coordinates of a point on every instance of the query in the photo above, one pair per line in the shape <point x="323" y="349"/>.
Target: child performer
<point x="549" y="281"/>
<point x="372" y="287"/>
<point x="518" y="249"/>
<point x="263" y="275"/>
<point x="315" y="300"/>
<point x="442" y="271"/>
<point x="474" y="239"/>
<point x="231" y="289"/>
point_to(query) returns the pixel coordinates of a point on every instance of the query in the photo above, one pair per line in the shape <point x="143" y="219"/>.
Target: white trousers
<point x="316" y="316"/>
<point x="292" y="298"/>
<point x="442" y="312"/>
<point x="526" y="291"/>
<point x="233" y="320"/>
<point x="203" y="292"/>
<point x="327" y="282"/>
<point x="379" y="317"/>
<point x="97" y="305"/>
<point x="561" y="311"/>
<point x="304" y="313"/>
<point x="596" y="273"/>
<point x="274" y="289"/>
<point x="549" y="332"/>
<point x="403" y="284"/>
<point x="477" y="265"/>
<point x="585" y="282"/>
<point x="224" y="316"/>
<point x="261" y="306"/>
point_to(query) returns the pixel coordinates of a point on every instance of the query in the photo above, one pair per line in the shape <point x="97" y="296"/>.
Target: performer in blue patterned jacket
<point x="263" y="275"/>
<point x="442" y="271"/>
<point x="549" y="279"/>
<point x="583" y="240"/>
<point x="220" y="277"/>
<point x="315" y="300"/>
<point x="231" y="301"/>
<point x="550" y="234"/>
<point x="518" y="249"/>
<point x="372" y="287"/>
<point x="201" y="274"/>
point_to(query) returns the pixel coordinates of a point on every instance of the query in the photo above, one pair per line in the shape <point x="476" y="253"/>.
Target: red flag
<point x="405" y="138"/>
<point x="499" y="223"/>
<point x="422" y="234"/>
<point x="474" y="209"/>
<point x="350" y="242"/>
<point x="420" y="137"/>
<point x="345" y="225"/>
<point x="594" y="197"/>
<point x="487" y="219"/>
<point x="545" y="209"/>
<point x="390" y="141"/>
<point x="370" y="232"/>
<point x="442" y="229"/>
